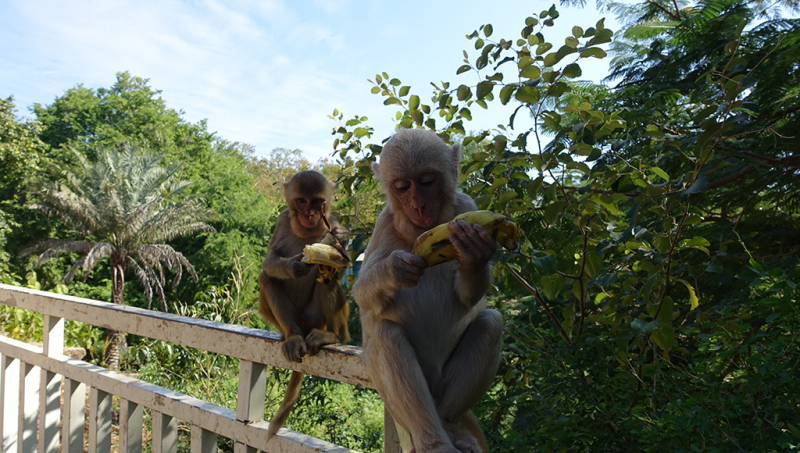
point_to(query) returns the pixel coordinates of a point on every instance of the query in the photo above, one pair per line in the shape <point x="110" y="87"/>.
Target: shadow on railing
<point x="37" y="412"/>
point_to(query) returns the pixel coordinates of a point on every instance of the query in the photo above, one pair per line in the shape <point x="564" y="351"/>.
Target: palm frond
<point x="177" y="220"/>
<point x="100" y="250"/>
<point x="71" y="273"/>
<point x="132" y="205"/>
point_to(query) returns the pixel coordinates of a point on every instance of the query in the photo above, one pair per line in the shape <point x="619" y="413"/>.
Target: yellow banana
<point x="435" y="247"/>
<point x="329" y="259"/>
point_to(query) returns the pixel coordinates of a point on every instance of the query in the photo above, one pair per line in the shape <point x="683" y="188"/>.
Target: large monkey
<point x="308" y="314"/>
<point x="431" y="346"/>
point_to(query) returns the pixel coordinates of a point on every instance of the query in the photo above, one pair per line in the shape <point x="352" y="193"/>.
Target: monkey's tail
<point x="292" y="392"/>
<point x="470" y="422"/>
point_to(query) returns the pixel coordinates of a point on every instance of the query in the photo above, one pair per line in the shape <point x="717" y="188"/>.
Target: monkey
<point x="430" y="344"/>
<point x="309" y="314"/>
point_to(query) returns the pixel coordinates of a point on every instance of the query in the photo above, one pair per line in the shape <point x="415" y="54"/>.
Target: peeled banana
<point x="435" y="247"/>
<point x="329" y="259"/>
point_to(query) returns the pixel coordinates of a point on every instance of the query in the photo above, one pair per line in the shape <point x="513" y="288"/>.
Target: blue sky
<point x="263" y="72"/>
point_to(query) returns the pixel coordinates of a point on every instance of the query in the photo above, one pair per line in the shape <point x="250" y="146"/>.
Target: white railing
<point x="39" y="412"/>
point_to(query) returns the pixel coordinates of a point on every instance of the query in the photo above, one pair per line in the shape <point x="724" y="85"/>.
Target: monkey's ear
<point x="285" y="191"/>
<point x="376" y="170"/>
<point x="456" y="150"/>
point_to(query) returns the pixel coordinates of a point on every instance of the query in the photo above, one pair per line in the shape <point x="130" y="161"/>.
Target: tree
<point x="223" y="173"/>
<point x="125" y="207"/>
<point x="652" y="304"/>
<point x="21" y="155"/>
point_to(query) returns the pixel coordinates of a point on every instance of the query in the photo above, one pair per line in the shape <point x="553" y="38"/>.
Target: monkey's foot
<point x="462" y="440"/>
<point x="294" y="348"/>
<point x="319" y="338"/>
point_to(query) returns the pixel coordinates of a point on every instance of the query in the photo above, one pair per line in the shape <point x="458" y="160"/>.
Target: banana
<point x="435" y="247"/>
<point x="329" y="259"/>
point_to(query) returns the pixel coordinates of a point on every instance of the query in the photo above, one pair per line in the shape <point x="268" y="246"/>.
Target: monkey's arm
<point x="474" y="249"/>
<point x="388" y="267"/>
<point x="284" y="253"/>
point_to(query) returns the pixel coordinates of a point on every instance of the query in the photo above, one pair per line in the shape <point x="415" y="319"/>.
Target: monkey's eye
<point x="301" y="200"/>
<point x="402" y="185"/>
<point x="427" y="181"/>
<point x="318" y="201"/>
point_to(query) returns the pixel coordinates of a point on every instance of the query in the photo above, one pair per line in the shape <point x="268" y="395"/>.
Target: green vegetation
<point x="653" y="303"/>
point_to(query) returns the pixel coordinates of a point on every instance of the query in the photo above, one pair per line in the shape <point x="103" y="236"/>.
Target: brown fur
<point x="430" y="344"/>
<point x="307" y="313"/>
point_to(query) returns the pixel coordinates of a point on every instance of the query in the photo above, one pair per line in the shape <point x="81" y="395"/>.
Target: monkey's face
<point x="419" y="196"/>
<point x="309" y="210"/>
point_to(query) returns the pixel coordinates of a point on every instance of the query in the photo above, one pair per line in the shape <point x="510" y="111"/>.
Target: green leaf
<point x="571" y="42"/>
<point x="463" y="93"/>
<point x="664" y="336"/>
<point x="699" y="186"/>
<point x="694" y="301"/>
<point x="487" y="30"/>
<point x="546" y="264"/>
<point x="593" y="52"/>
<point x="660" y="173"/>
<point x="530" y="72"/>
<point x="553" y="211"/>
<point x="534" y="187"/>
<point x="528" y="95"/>
<point x="463" y="68"/>
<point x="572" y="71"/>
<point x="643" y="327"/>
<point x="577" y="31"/>
<point x="413" y="102"/>
<point x="505" y="93"/>
<point x="551" y="285"/>
<point x="483" y="89"/>
<point x="395" y="82"/>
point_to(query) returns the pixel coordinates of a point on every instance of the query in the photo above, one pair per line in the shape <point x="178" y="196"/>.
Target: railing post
<point x="251" y="397"/>
<point x="99" y="421"/>
<point x="29" y="406"/>
<point x="131" y="418"/>
<point x="165" y="433"/>
<point x="9" y="401"/>
<point x="391" y="441"/>
<point x="73" y="416"/>
<point x="203" y="440"/>
<point x="50" y="386"/>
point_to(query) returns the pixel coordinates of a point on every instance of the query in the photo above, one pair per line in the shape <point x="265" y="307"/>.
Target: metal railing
<point x="42" y="391"/>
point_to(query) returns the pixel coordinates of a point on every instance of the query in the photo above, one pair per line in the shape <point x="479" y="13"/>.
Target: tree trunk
<point x="115" y="339"/>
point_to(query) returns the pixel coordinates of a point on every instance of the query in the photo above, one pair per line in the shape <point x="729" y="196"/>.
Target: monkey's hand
<point x="294" y="348"/>
<point x="404" y="269"/>
<point x="474" y="245"/>
<point x="298" y="267"/>
<point x="319" y="338"/>
<point x="341" y="235"/>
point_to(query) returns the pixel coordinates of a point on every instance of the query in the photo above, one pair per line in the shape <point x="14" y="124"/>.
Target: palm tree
<point x="125" y="207"/>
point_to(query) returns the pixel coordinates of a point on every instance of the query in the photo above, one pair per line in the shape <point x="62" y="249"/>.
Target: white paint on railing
<point x="255" y="348"/>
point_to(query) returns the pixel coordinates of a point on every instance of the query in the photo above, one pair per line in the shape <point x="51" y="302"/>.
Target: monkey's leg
<point x="393" y="365"/>
<point x="286" y="315"/>
<point x="469" y="373"/>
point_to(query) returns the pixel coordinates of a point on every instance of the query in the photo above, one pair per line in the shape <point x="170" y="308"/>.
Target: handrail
<point x="255" y="348"/>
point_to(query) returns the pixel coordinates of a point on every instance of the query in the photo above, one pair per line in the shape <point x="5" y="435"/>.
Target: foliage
<point x="126" y="206"/>
<point x="21" y="154"/>
<point x="652" y="303"/>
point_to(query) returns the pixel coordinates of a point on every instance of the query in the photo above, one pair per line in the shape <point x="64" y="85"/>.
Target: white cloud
<point x="266" y="73"/>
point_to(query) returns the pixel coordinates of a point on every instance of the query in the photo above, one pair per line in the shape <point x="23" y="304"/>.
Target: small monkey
<point x="430" y="344"/>
<point x="308" y="314"/>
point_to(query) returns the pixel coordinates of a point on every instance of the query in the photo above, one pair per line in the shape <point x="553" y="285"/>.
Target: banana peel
<point x="435" y="247"/>
<point x="329" y="259"/>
